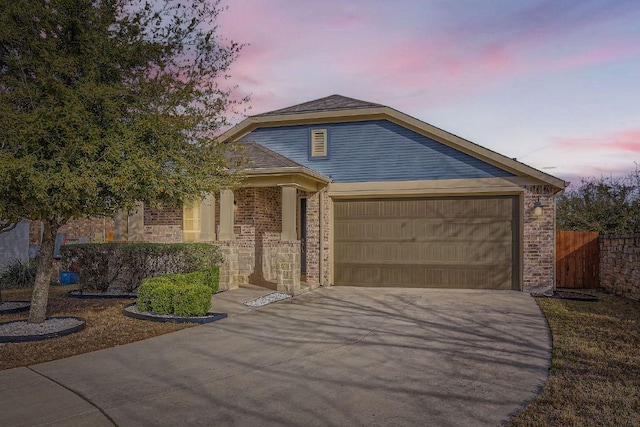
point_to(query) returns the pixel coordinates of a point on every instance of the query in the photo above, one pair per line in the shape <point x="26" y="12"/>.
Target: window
<point x="191" y="222"/>
<point x="319" y="143"/>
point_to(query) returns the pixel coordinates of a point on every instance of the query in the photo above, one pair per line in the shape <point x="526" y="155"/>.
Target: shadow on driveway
<point x="336" y="356"/>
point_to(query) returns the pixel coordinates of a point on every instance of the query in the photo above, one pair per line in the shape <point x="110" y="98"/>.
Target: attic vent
<point x="319" y="143"/>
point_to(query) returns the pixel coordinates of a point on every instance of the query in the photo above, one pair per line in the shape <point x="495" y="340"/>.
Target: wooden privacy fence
<point x="577" y="259"/>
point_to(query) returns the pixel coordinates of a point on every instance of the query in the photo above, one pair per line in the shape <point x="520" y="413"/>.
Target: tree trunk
<point x="40" y="297"/>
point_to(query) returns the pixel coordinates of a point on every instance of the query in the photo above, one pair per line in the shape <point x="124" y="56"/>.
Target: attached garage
<point x="454" y="242"/>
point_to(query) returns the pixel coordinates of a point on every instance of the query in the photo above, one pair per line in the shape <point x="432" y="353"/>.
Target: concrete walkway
<point x="336" y="356"/>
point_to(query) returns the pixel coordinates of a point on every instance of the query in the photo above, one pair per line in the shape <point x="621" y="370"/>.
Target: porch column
<point x="120" y="226"/>
<point x="288" y="213"/>
<point x="135" y="222"/>
<point x="208" y="218"/>
<point x="226" y="215"/>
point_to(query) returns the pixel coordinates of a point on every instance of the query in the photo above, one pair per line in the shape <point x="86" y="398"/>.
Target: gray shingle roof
<point x="260" y="157"/>
<point x="329" y="103"/>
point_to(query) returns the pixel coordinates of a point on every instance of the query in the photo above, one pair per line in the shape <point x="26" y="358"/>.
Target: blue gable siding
<point x="376" y="150"/>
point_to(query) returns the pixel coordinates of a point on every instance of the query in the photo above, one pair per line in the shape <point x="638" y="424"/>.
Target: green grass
<point x="594" y="378"/>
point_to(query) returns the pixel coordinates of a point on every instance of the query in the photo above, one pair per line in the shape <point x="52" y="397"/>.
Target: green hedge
<point x="192" y="300"/>
<point x="180" y="294"/>
<point x="125" y="266"/>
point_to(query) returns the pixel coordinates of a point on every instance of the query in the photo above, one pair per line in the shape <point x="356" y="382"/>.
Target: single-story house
<point x="339" y="191"/>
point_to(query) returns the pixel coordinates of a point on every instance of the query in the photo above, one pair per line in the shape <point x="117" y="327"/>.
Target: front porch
<point x="268" y="229"/>
<point x="269" y="235"/>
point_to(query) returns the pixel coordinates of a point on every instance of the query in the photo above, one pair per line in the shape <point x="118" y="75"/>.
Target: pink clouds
<point x="416" y="54"/>
<point x="627" y="140"/>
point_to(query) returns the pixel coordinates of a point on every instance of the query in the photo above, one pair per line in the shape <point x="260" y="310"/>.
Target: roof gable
<point x="339" y="109"/>
<point x="374" y="151"/>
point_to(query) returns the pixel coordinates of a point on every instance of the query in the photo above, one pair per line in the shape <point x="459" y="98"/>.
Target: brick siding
<point x="163" y="225"/>
<point x="539" y="238"/>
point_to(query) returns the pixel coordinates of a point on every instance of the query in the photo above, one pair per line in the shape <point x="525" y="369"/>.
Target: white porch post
<point x="208" y="219"/>
<point x="226" y="215"/>
<point x="288" y="213"/>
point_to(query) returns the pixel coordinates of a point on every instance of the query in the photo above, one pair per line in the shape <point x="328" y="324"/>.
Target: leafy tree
<point x="104" y="103"/>
<point x="608" y="205"/>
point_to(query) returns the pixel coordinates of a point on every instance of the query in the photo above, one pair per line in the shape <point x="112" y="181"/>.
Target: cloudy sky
<point x="553" y="83"/>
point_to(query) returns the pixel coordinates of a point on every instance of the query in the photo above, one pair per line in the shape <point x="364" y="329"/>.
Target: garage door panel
<point x="423" y="230"/>
<point x="424" y="208"/>
<point x="453" y="242"/>
<point x="417" y="252"/>
<point x="432" y="276"/>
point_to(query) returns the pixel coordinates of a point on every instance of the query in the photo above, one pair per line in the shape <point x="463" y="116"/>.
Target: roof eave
<point x="300" y="177"/>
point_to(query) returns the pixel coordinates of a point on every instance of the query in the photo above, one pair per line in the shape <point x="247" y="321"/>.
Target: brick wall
<point x="268" y="224"/>
<point x="163" y="225"/>
<point x="313" y="238"/>
<point x="539" y="237"/>
<point x="257" y="226"/>
<point x="289" y="267"/>
<point x="620" y="265"/>
<point x="167" y="216"/>
<point x="238" y="265"/>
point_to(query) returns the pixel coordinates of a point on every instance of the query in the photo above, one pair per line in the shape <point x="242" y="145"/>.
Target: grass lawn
<point x="106" y="327"/>
<point x="594" y="378"/>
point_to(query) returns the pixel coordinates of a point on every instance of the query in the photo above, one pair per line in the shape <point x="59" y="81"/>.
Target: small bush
<point x="18" y="274"/>
<point x="143" y="303"/>
<point x="180" y="294"/>
<point x="162" y="297"/>
<point x="209" y="277"/>
<point x="125" y="266"/>
<point x="192" y="300"/>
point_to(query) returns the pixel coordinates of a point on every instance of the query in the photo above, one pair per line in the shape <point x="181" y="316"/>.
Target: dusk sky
<point x="555" y="84"/>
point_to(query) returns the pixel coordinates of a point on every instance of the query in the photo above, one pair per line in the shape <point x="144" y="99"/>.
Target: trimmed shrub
<point x="209" y="277"/>
<point x="125" y="266"/>
<point x="192" y="300"/>
<point x="162" y="297"/>
<point x="143" y="303"/>
<point x="180" y="294"/>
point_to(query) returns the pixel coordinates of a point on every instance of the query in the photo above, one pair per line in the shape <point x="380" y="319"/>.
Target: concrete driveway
<point x="334" y="357"/>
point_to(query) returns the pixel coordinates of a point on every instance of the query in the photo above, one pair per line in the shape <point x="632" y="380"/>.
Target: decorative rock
<point x="9" y="307"/>
<point x="267" y="299"/>
<point x="53" y="327"/>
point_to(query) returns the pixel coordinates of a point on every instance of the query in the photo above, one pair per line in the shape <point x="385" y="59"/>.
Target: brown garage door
<point x="438" y="243"/>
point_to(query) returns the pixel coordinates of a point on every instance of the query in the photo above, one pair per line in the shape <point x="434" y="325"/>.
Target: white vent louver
<point x="319" y="143"/>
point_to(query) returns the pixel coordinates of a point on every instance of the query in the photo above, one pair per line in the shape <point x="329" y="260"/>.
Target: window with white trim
<point x="319" y="143"/>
